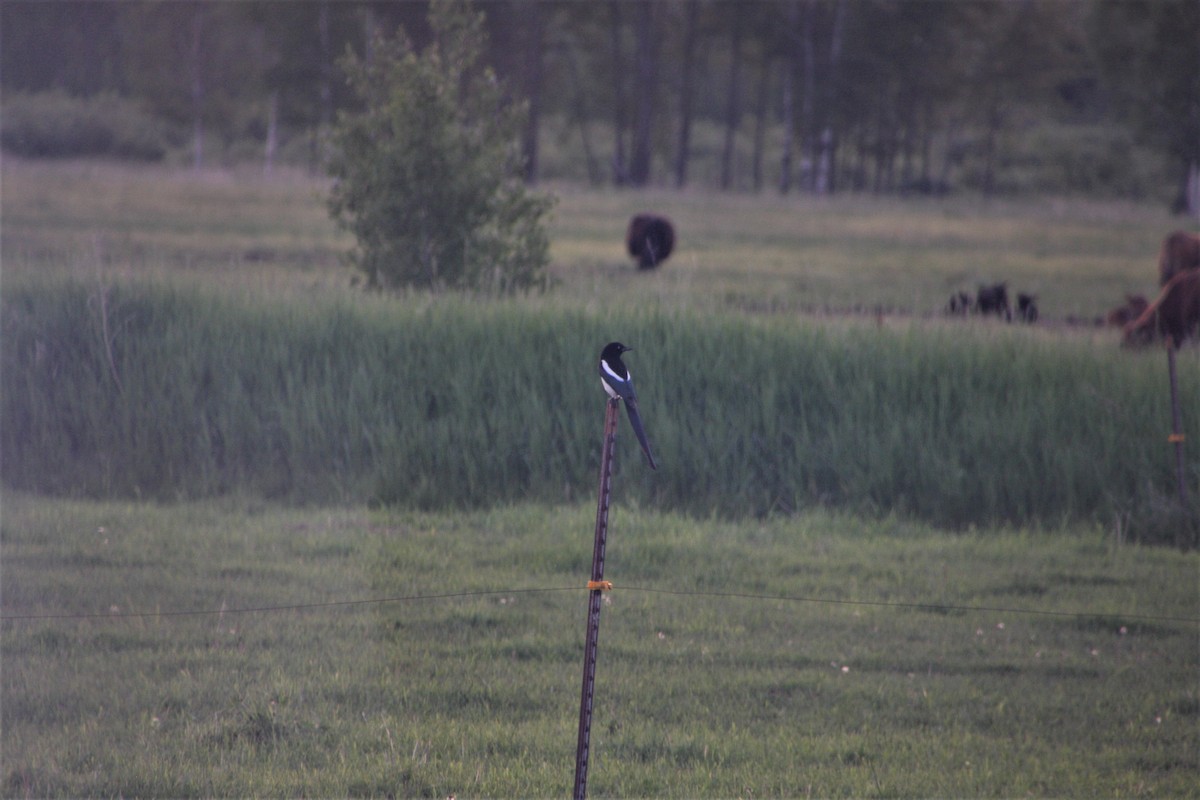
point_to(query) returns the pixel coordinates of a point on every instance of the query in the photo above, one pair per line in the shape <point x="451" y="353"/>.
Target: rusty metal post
<point x="1176" y="436"/>
<point x="593" y="623"/>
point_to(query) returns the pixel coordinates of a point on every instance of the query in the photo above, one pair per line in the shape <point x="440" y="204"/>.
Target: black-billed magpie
<point x="619" y="385"/>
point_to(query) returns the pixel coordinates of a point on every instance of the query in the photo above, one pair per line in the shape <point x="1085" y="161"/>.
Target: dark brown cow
<point x="1121" y="316"/>
<point x="960" y="304"/>
<point x="1180" y="251"/>
<point x="1027" y="308"/>
<point x="650" y="239"/>
<point x="1175" y="312"/>
<point x="993" y="300"/>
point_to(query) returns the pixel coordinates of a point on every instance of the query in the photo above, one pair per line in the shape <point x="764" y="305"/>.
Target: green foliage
<point x="696" y="695"/>
<point x="1146" y="53"/>
<point x="56" y="125"/>
<point x="1094" y="161"/>
<point x="903" y="86"/>
<point x="155" y="391"/>
<point x="428" y="173"/>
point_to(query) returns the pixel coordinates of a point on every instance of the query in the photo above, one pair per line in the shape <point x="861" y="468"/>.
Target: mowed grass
<point x="781" y="657"/>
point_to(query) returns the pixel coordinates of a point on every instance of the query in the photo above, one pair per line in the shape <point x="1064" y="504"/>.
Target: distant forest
<point x="819" y="96"/>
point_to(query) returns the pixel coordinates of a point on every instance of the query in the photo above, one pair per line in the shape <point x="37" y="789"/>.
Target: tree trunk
<point x="646" y="79"/>
<point x="369" y="33"/>
<point x="324" y="88"/>
<point x="789" y="127"/>
<point x="686" y="89"/>
<point x="907" y="150"/>
<point x="197" y="71"/>
<point x="860" y="159"/>
<point x="620" y="172"/>
<point x="1188" y="201"/>
<point x="790" y="68"/>
<point x="927" y="147"/>
<point x="534" y="28"/>
<point x="807" y="101"/>
<point x="994" y="120"/>
<point x="824" y="183"/>
<point x="272" y="132"/>
<point x="733" y="111"/>
<point x="883" y="126"/>
<point x="761" y="105"/>
<point x="579" y="110"/>
<point x="949" y="153"/>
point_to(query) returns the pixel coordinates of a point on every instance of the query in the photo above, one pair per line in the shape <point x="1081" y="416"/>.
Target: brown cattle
<point x="1027" y="308"/>
<point x="1180" y="251"/>
<point x="960" y="304"/>
<point x="650" y="239"/>
<point x="993" y="300"/>
<point x="1121" y="316"/>
<point x="1174" y="313"/>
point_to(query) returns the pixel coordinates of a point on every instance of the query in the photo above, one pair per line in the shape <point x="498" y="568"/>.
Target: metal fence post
<point x="597" y="585"/>
<point x="1176" y="436"/>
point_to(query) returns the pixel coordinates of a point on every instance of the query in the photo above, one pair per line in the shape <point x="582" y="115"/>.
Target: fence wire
<point x="413" y="598"/>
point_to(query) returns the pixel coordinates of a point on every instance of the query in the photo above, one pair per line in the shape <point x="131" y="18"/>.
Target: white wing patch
<point x="604" y="366"/>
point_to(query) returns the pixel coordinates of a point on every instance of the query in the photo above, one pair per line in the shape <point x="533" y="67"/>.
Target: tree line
<point x="796" y="95"/>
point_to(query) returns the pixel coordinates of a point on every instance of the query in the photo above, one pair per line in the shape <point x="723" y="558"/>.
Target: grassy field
<point x="735" y="253"/>
<point x="888" y="554"/>
<point x="196" y="335"/>
<point x="770" y="658"/>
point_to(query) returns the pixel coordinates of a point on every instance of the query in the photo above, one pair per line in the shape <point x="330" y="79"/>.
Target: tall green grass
<point x="157" y="390"/>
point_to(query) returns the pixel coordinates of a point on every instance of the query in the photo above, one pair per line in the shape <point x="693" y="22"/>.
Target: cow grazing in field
<point x="1027" y="308"/>
<point x="1180" y="252"/>
<point x="959" y="304"/>
<point x="993" y="300"/>
<point x="650" y="239"/>
<point x="1174" y="313"/>
<point x="1121" y="316"/>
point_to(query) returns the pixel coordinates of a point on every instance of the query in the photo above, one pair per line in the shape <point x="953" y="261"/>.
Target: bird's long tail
<point x="635" y="419"/>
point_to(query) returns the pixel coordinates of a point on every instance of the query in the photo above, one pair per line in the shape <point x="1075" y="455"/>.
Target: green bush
<point x="428" y="173"/>
<point x="56" y="125"/>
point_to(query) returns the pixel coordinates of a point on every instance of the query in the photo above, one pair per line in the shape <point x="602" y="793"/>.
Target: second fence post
<point x="1176" y="436"/>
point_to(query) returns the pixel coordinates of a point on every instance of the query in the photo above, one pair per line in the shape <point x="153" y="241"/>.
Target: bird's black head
<point x="612" y="351"/>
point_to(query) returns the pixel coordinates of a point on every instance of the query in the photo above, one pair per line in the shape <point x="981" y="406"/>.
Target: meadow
<point x="736" y="659"/>
<point x="175" y="337"/>
<point x="887" y="552"/>
<point x="736" y="252"/>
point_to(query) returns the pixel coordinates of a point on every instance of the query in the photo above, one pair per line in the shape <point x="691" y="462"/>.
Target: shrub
<point x="57" y="125"/>
<point x="427" y="174"/>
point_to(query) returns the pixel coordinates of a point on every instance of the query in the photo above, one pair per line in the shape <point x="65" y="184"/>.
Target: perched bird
<point x="615" y="377"/>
